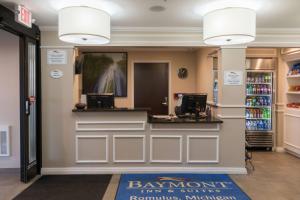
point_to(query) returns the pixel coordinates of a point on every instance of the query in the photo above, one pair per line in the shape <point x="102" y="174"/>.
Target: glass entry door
<point x="31" y="102"/>
<point x="29" y="148"/>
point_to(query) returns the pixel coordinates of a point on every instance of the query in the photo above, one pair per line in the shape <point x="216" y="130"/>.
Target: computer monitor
<point x="193" y="104"/>
<point x="100" y="101"/>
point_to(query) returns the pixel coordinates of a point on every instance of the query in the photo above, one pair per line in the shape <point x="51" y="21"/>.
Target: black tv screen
<point x="100" y="101"/>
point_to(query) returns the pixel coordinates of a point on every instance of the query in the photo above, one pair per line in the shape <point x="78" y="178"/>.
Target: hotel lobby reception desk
<point x="128" y="141"/>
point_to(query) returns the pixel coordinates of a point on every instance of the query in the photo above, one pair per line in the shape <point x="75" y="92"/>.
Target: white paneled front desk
<point x="129" y="141"/>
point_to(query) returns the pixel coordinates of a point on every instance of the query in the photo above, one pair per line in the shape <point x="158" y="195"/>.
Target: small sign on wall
<point x="233" y="77"/>
<point x="56" y="73"/>
<point x="56" y="57"/>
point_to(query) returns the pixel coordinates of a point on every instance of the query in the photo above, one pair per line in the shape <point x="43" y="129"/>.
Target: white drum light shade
<point x="83" y="25"/>
<point x="229" y="26"/>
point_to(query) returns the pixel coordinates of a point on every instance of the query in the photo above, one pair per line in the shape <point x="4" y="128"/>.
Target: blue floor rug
<point x="178" y="187"/>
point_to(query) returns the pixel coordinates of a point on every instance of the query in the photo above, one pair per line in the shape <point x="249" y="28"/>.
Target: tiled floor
<point x="276" y="177"/>
<point x="10" y="184"/>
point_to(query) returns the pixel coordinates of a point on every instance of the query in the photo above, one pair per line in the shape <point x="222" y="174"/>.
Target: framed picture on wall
<point x="105" y="73"/>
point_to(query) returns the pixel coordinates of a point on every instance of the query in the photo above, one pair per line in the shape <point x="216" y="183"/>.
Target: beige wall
<point x="231" y="100"/>
<point x="204" y="80"/>
<point x="9" y="90"/>
<point x="280" y="103"/>
<point x="58" y="122"/>
<point x="176" y="59"/>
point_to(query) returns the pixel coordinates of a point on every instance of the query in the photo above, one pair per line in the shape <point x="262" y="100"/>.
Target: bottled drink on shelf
<point x="260" y="79"/>
<point x="258" y="101"/>
<point x="258" y="89"/>
<point x="248" y="79"/>
<point x="264" y="114"/>
<point x="269" y="90"/>
<point x="254" y="90"/>
<point x="258" y="125"/>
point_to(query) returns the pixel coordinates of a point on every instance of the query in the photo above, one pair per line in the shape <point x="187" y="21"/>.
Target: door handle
<point x="27" y="107"/>
<point x="165" y="102"/>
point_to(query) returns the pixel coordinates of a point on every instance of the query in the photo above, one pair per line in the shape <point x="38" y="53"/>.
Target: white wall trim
<point x="57" y="47"/>
<point x="202" y="161"/>
<point x="118" y="170"/>
<point x="231" y="117"/>
<point x="234" y="47"/>
<point x="186" y="129"/>
<point x="169" y="77"/>
<point x="291" y="115"/>
<point x="210" y="103"/>
<point x="6" y="130"/>
<point x="180" y="29"/>
<point x="292" y="148"/>
<point x="77" y="123"/>
<point x="279" y="111"/>
<point x="280" y="149"/>
<point x="129" y="161"/>
<point x="292" y="145"/>
<point x="77" y="137"/>
<point x="165" y="136"/>
<point x="192" y="36"/>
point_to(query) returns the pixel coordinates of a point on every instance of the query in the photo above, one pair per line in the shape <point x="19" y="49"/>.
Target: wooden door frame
<point x="169" y="79"/>
<point x="8" y="23"/>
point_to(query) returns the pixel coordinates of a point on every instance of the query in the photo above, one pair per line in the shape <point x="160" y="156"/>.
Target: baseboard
<point x="118" y="170"/>
<point x="280" y="149"/>
<point x="292" y="149"/>
<point x="292" y="153"/>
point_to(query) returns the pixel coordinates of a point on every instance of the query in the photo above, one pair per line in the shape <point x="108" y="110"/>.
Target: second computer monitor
<point x="100" y="101"/>
<point x="193" y="103"/>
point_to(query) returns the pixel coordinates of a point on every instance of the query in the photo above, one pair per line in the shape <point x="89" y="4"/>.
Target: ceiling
<point x="177" y="13"/>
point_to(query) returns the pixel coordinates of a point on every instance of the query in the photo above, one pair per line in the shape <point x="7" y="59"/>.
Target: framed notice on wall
<point x="56" y="57"/>
<point x="233" y="77"/>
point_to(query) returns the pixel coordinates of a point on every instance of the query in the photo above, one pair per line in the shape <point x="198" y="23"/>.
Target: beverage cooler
<point x="260" y="94"/>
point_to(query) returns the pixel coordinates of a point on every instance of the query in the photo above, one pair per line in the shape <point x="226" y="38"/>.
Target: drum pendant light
<point x="83" y="25"/>
<point x="229" y="26"/>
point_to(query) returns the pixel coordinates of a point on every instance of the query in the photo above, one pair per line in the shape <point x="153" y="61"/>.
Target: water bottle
<point x="215" y="92"/>
<point x="260" y="125"/>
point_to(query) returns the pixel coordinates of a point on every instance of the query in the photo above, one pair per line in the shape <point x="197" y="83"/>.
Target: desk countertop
<point x="111" y="110"/>
<point x="211" y="120"/>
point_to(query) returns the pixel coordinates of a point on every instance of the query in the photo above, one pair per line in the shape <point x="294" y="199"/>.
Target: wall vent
<point x="4" y="141"/>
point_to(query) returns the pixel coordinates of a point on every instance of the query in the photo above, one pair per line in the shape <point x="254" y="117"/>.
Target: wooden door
<point x="151" y="87"/>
